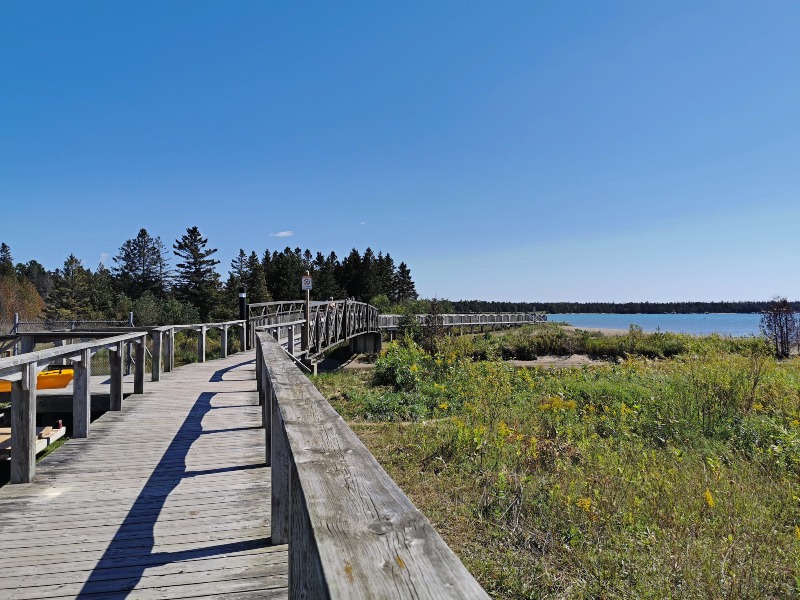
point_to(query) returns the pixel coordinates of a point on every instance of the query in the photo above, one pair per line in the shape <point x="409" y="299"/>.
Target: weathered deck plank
<point x="168" y="498"/>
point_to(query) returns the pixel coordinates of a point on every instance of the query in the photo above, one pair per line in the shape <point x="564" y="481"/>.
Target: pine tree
<point x="40" y="277"/>
<point x="404" y="288"/>
<point x="70" y="298"/>
<point x="6" y="262"/>
<point x="103" y="295"/>
<point x="351" y="274"/>
<point x="142" y="266"/>
<point x="239" y="267"/>
<point x="284" y="274"/>
<point x="196" y="280"/>
<point x="326" y="284"/>
<point x="384" y="275"/>
<point x="256" y="280"/>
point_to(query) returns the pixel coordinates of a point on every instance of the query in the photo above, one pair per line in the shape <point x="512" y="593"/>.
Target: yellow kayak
<point x="47" y="380"/>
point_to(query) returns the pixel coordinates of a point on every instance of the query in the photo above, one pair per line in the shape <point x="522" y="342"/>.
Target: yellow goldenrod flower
<point x="709" y="498"/>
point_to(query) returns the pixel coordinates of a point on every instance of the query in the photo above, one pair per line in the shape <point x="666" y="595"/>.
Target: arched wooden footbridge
<point x="229" y="477"/>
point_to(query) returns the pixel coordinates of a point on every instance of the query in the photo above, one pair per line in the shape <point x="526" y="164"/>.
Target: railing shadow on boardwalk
<point x="218" y="375"/>
<point x="116" y="574"/>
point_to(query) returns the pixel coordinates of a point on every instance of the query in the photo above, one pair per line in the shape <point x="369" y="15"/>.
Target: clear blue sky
<point x="504" y="150"/>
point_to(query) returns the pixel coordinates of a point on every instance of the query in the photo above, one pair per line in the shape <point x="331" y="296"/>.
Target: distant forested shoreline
<point x="622" y="308"/>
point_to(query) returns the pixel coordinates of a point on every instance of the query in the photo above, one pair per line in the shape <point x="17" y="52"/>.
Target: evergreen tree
<point x="103" y="295"/>
<point x="255" y="279"/>
<point x="351" y="273"/>
<point x="326" y="284"/>
<point x="142" y="266"/>
<point x="285" y="271"/>
<point x="239" y="267"/>
<point x="40" y="277"/>
<point x="404" y="288"/>
<point x="196" y="281"/>
<point x="70" y="298"/>
<point x="6" y="262"/>
<point x="384" y="275"/>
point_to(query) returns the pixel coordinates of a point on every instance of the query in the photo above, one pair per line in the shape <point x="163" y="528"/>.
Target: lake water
<point x="723" y="323"/>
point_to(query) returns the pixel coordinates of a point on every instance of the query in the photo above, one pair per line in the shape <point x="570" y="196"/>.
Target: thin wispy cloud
<point x="363" y="223"/>
<point x="288" y="233"/>
<point x="104" y="256"/>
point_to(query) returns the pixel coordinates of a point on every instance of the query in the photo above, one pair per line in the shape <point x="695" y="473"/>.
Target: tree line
<point x="143" y="279"/>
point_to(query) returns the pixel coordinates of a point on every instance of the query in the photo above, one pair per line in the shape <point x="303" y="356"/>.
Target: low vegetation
<point x="672" y="470"/>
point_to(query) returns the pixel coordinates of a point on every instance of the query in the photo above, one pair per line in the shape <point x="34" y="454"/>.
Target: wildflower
<point x="444" y="406"/>
<point x="503" y="429"/>
<point x="709" y="498"/>
<point x="585" y="504"/>
<point x="414" y="368"/>
<point x="797" y="532"/>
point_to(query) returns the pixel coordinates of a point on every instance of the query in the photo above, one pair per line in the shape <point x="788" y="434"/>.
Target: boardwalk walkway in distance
<point x="168" y="498"/>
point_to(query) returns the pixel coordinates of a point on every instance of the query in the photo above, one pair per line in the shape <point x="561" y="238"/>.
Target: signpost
<point x="304" y="335"/>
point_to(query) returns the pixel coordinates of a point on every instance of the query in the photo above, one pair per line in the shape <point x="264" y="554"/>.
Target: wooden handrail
<point x="9" y="367"/>
<point x="352" y="532"/>
<point x="21" y="371"/>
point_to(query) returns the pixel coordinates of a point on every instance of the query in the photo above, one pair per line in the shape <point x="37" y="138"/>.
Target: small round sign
<point x="306" y="283"/>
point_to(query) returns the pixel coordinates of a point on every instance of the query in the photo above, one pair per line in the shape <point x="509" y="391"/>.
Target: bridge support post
<point x="81" y="395"/>
<point x="158" y="338"/>
<point x="138" y="376"/>
<point x="26" y="343"/>
<point x="115" y="358"/>
<point x="23" y="424"/>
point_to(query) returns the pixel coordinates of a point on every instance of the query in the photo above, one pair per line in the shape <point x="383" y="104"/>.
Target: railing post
<point x="115" y="357"/>
<point x="23" y="424"/>
<point x="201" y="344"/>
<point x="158" y="337"/>
<point x="305" y="332"/>
<point x="225" y="341"/>
<point x="81" y="395"/>
<point x="243" y="336"/>
<point x="169" y="358"/>
<point x="345" y="319"/>
<point x="290" y="340"/>
<point x="138" y="375"/>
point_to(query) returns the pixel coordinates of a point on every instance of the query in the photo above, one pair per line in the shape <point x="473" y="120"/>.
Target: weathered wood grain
<point x="81" y="395"/>
<point x="354" y="533"/>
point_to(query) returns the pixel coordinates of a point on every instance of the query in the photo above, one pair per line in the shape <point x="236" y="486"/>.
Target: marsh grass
<point x="676" y="477"/>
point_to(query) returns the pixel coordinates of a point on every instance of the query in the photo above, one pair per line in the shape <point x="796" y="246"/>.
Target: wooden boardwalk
<point x="168" y="498"/>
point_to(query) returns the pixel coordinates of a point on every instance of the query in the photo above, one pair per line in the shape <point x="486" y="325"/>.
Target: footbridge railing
<point x="320" y="325"/>
<point x="468" y="322"/>
<point x="352" y="532"/>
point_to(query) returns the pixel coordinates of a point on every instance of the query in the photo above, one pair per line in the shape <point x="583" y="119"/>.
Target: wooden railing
<point x="352" y="532"/>
<point x="164" y="342"/>
<point x="328" y="324"/>
<point x="490" y="320"/>
<point x="22" y="371"/>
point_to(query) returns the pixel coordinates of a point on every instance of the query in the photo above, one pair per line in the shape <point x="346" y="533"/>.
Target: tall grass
<point x="674" y="477"/>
